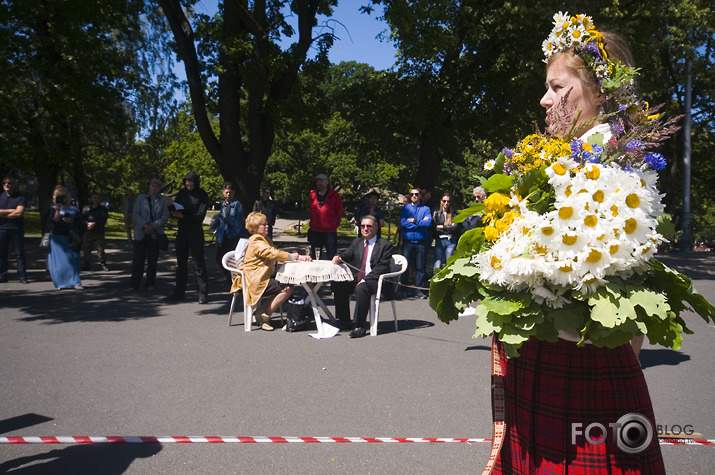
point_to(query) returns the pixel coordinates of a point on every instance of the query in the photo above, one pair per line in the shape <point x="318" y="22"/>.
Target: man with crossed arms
<point x="369" y="257"/>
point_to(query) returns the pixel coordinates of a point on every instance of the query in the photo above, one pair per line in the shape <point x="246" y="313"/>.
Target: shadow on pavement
<point x="696" y="265"/>
<point x="478" y="347"/>
<point x="661" y="357"/>
<point x="20" y="422"/>
<point x="107" y="459"/>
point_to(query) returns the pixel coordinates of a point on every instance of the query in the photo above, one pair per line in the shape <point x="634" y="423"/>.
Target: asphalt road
<point x="105" y="361"/>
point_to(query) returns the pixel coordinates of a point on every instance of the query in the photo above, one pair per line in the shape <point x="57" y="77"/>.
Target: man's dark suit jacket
<point x="380" y="261"/>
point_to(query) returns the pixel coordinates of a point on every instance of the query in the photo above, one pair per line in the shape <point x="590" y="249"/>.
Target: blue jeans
<point x="420" y="251"/>
<point x="18" y="238"/>
<point x="443" y="250"/>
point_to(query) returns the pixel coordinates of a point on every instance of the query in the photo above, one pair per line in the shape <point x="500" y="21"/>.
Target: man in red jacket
<point x="326" y="211"/>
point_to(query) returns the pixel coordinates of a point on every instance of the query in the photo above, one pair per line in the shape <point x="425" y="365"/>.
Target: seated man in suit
<point x="372" y="256"/>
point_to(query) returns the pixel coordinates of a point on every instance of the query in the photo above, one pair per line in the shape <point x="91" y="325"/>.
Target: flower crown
<point x="615" y="78"/>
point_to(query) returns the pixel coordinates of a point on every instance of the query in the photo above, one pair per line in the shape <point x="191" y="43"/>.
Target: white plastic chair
<point x="230" y="263"/>
<point x="375" y="299"/>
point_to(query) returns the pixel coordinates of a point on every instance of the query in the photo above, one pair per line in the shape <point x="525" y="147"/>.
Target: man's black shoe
<point x="175" y="298"/>
<point x="23" y="280"/>
<point x="420" y="295"/>
<point x="203" y="299"/>
<point x="359" y="332"/>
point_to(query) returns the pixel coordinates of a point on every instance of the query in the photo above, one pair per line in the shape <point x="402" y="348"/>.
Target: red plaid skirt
<point x="555" y="392"/>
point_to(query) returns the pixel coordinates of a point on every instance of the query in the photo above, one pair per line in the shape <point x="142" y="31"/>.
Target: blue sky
<point x="356" y="32"/>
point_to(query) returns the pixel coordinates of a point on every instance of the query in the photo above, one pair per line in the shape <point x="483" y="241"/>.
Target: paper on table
<point x="329" y="331"/>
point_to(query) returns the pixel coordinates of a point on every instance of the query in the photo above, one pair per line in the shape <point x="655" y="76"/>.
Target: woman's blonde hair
<point x="253" y="220"/>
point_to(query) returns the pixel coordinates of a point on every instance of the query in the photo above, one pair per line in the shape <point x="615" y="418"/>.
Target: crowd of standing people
<point x="74" y="234"/>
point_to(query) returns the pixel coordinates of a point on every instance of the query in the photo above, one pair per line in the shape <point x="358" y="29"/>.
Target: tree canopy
<point x="90" y="96"/>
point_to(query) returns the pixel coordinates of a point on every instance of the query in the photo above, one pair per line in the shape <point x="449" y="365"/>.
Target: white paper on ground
<point x="329" y="331"/>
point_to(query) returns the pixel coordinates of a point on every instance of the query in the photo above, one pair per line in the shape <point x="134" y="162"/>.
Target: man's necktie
<point x="361" y="273"/>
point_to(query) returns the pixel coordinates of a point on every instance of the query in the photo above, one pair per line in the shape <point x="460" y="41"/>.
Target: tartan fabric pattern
<point x="549" y="387"/>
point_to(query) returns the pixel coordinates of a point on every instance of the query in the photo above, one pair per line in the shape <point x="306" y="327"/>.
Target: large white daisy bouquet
<point x="567" y="241"/>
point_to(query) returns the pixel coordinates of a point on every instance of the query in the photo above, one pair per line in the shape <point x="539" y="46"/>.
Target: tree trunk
<point x="241" y="155"/>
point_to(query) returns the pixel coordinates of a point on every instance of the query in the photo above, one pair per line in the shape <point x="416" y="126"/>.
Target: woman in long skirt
<point x="62" y="260"/>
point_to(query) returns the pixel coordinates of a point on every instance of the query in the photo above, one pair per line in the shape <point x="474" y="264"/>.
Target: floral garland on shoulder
<point x="568" y="234"/>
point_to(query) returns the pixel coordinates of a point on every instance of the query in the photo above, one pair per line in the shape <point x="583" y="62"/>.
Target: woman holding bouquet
<point x="556" y="388"/>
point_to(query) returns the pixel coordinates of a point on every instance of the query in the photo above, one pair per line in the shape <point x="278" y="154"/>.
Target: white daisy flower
<point x="553" y="298"/>
<point x="590" y="283"/>
<point x="594" y="260"/>
<point x="489" y="166"/>
<point x="559" y="172"/>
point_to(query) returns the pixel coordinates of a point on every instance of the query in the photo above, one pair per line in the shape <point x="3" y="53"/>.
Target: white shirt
<point x="370" y="247"/>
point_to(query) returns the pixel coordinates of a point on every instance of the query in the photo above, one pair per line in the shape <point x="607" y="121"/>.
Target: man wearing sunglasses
<point x="416" y="221"/>
<point x="369" y="256"/>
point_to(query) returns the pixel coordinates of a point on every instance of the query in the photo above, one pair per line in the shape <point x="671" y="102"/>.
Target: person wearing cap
<point x="194" y="203"/>
<point x="369" y="206"/>
<point x="326" y="211"/>
<point x="150" y="213"/>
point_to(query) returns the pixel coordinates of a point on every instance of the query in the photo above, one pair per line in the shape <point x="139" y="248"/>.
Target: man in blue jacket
<point x="416" y="220"/>
<point x="228" y="226"/>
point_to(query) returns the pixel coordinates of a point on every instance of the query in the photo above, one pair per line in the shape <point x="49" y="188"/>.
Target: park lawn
<point x="114" y="228"/>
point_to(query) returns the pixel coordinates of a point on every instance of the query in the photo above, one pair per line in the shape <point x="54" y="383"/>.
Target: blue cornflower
<point x="591" y="48"/>
<point x="595" y="156"/>
<point x="634" y="145"/>
<point x="576" y="146"/>
<point x="655" y="160"/>
<point x="617" y="127"/>
<point x="509" y="153"/>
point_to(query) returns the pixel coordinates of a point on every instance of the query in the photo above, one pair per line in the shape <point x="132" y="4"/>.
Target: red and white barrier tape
<point x="274" y="440"/>
<point x="226" y="440"/>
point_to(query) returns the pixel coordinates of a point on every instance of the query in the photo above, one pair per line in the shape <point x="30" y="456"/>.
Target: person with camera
<point x="65" y="243"/>
<point x="150" y="213"/>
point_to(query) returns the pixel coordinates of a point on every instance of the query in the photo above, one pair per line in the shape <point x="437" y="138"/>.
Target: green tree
<point x="68" y="68"/>
<point x="341" y="122"/>
<point x="477" y="70"/>
<point x="255" y="76"/>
